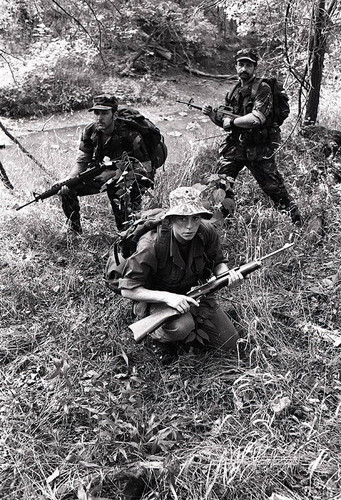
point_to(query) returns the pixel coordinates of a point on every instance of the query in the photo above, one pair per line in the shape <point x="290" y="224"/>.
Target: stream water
<point x="180" y="126"/>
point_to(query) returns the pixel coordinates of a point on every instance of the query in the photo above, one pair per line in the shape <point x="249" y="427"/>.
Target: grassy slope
<point x="86" y="411"/>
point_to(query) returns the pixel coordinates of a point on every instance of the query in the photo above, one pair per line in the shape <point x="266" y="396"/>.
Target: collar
<point x="195" y="250"/>
<point x="245" y="89"/>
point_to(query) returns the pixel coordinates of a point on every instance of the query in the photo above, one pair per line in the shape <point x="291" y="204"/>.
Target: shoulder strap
<point x="204" y="232"/>
<point x="230" y="94"/>
<point x="162" y="243"/>
<point x="255" y="87"/>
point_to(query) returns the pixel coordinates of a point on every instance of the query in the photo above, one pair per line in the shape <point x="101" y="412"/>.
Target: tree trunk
<point x="317" y="49"/>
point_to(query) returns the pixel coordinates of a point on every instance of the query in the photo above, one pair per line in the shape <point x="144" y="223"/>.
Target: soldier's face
<point x="245" y="69"/>
<point x="185" y="227"/>
<point x="104" y="118"/>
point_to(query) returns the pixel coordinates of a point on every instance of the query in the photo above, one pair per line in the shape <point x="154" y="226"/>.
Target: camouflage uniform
<point x="254" y="147"/>
<point x="94" y="147"/>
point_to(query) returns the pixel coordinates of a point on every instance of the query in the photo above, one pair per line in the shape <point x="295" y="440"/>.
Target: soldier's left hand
<point x="227" y="123"/>
<point x="235" y="277"/>
<point x="207" y="109"/>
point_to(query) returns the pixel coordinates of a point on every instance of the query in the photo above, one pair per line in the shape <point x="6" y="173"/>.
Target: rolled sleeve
<point x="86" y="146"/>
<point x="262" y="106"/>
<point x="141" y="265"/>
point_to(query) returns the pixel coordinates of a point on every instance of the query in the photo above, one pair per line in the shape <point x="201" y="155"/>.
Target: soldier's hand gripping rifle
<point x="150" y="323"/>
<point x="222" y="111"/>
<point x="90" y="173"/>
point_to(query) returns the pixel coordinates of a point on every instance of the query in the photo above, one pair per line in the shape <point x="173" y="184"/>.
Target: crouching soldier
<point x="108" y="136"/>
<point x="169" y="261"/>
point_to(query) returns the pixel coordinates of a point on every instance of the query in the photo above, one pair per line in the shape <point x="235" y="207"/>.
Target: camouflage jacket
<point x="241" y="102"/>
<point x="94" y="146"/>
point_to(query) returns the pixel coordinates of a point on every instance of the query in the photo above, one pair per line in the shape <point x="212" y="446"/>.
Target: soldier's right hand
<point x="207" y="110"/>
<point x="63" y="189"/>
<point x="182" y="303"/>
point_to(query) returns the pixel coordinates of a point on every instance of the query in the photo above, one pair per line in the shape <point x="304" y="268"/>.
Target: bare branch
<point x="40" y="165"/>
<point x="4" y="178"/>
<point x="77" y="21"/>
<point x="209" y="75"/>
<point x="99" y="25"/>
<point x="292" y="70"/>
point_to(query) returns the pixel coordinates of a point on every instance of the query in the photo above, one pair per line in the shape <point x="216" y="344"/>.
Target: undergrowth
<point x="87" y="413"/>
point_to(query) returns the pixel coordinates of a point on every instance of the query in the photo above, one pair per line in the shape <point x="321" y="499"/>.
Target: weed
<point x="87" y="413"/>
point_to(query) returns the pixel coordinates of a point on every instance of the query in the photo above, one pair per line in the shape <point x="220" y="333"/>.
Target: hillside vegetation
<point x="86" y="413"/>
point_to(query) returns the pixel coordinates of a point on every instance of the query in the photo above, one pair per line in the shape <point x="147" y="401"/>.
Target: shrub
<point x="48" y="82"/>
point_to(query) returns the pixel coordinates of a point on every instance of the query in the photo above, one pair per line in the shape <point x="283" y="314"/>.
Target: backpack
<point x="126" y="243"/>
<point x="281" y="108"/>
<point x="151" y="134"/>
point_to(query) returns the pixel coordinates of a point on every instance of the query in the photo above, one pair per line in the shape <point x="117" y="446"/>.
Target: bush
<point x="48" y="82"/>
<point x="49" y="95"/>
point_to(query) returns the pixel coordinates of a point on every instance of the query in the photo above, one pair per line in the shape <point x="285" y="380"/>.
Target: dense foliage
<point x="80" y="43"/>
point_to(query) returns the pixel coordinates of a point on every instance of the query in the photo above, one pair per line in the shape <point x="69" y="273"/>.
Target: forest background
<point x="85" y="412"/>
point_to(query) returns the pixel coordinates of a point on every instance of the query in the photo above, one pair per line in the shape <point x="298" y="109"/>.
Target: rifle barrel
<point x="189" y="104"/>
<point x="25" y="205"/>
<point x="275" y="252"/>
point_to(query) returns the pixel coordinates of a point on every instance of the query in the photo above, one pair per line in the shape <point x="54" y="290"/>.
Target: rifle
<point x="148" y="324"/>
<point x="223" y="110"/>
<point x="90" y="173"/>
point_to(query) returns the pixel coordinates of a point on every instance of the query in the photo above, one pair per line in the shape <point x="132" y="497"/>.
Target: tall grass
<point x="86" y="413"/>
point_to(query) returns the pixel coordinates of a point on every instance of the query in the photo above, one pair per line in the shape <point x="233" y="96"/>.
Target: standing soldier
<point x="253" y="136"/>
<point x="109" y="136"/>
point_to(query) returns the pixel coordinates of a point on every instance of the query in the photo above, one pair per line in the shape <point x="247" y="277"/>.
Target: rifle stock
<point x="146" y="325"/>
<point x="150" y="323"/>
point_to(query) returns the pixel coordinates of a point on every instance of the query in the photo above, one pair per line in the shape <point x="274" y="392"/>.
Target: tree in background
<point x="295" y="36"/>
<point x="322" y="28"/>
<point x="121" y="37"/>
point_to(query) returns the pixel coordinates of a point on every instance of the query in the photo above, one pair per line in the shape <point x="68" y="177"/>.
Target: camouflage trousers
<point x="71" y="206"/>
<point x="260" y="160"/>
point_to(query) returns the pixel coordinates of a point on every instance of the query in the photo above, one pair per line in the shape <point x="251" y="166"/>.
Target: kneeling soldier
<point x="168" y="263"/>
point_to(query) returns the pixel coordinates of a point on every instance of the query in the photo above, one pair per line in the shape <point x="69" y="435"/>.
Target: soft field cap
<point x="187" y="201"/>
<point x="104" y="102"/>
<point x="248" y="54"/>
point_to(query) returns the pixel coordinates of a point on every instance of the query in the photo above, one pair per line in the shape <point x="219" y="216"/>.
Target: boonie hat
<point x="104" y="101"/>
<point x="187" y="201"/>
<point x="248" y="54"/>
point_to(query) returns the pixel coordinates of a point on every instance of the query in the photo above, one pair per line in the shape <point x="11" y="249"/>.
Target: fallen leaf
<point x="281" y="405"/>
<point x="313" y="466"/>
<point x="276" y="496"/>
